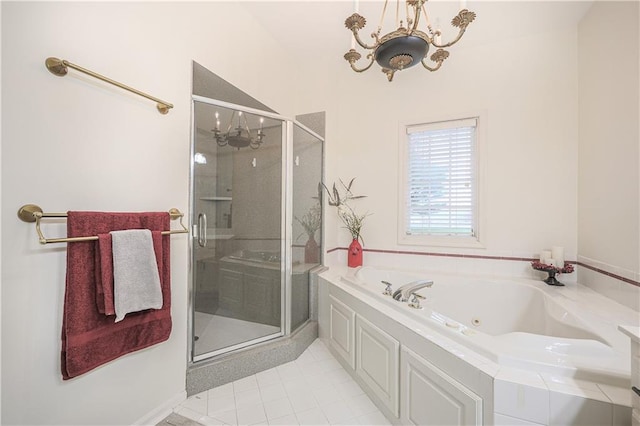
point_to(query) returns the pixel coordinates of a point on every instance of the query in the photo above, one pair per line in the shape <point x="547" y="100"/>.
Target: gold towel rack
<point x="59" y="67"/>
<point x="33" y="213"/>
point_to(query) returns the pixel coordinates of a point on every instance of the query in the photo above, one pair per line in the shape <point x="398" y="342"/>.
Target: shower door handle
<point x="202" y="230"/>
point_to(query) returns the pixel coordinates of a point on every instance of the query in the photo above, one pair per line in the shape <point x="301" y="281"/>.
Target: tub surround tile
<point x="578" y="391"/>
<point x="502" y="420"/>
<point x="522" y="395"/>
<point x="618" y="396"/>
<point x="530" y="398"/>
<point x="566" y="409"/>
<point x="555" y="380"/>
<point x="622" y="415"/>
<point x="503" y="264"/>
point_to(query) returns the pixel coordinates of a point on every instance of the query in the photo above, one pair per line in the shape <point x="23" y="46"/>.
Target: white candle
<point x="549" y="261"/>
<point x="544" y="255"/>
<point x="463" y="4"/>
<point x="557" y="253"/>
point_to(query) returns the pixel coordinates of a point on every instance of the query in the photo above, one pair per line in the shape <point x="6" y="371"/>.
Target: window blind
<point x="441" y="179"/>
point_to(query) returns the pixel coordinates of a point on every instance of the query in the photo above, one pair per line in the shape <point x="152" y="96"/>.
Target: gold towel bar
<point x="59" y="67"/>
<point x="33" y="213"/>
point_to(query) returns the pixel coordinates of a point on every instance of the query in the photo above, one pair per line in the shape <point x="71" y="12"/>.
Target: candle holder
<point x="552" y="271"/>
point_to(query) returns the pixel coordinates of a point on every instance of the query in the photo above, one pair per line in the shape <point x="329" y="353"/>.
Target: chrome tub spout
<point x="402" y="294"/>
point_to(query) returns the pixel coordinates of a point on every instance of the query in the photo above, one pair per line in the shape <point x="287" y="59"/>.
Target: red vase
<point x="311" y="251"/>
<point x="354" y="255"/>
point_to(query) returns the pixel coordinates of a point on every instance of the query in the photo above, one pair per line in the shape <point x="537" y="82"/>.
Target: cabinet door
<point x="230" y="293"/>
<point x="341" y="330"/>
<point x="431" y="397"/>
<point x="259" y="299"/>
<point x="377" y="362"/>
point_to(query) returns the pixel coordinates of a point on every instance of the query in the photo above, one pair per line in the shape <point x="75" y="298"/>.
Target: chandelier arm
<point x="353" y="66"/>
<point x="436" y="68"/>
<point x="362" y="43"/>
<point x="451" y="43"/>
<point x="417" y="17"/>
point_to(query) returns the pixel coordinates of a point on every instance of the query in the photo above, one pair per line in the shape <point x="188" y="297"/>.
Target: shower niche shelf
<point x="216" y="198"/>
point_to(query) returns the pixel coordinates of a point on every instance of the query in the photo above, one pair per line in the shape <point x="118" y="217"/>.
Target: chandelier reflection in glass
<point x="239" y="136"/>
<point x="406" y="46"/>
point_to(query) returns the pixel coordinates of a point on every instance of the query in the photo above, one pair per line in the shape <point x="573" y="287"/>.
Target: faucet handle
<point x="388" y="291"/>
<point x="415" y="301"/>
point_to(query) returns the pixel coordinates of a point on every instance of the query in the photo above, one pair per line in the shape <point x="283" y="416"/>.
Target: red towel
<point x="89" y="337"/>
<point x="104" y="275"/>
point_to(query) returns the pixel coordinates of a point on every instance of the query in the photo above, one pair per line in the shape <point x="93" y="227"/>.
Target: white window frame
<point x="475" y="241"/>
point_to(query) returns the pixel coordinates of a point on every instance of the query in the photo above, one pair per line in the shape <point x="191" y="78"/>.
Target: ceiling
<point x="316" y="28"/>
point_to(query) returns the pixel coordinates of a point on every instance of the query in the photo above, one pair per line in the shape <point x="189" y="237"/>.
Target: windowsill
<point x="427" y="240"/>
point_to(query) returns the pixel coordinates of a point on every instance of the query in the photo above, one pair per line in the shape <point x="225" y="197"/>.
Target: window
<point x="439" y="202"/>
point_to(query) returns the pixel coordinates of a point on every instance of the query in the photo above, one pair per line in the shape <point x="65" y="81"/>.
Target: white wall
<point x="526" y="86"/>
<point x="74" y="143"/>
<point x="609" y="150"/>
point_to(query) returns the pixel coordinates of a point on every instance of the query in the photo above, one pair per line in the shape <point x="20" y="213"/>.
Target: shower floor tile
<point x="216" y="332"/>
<point x="288" y="395"/>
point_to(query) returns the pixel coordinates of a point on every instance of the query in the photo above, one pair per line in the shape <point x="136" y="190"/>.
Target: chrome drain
<point x="476" y="322"/>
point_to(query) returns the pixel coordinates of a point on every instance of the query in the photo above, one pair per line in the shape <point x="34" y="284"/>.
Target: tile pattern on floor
<point x="312" y="390"/>
<point x="174" y="419"/>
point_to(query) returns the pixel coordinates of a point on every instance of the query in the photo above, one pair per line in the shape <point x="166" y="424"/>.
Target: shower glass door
<point x="237" y="212"/>
<point x="306" y="226"/>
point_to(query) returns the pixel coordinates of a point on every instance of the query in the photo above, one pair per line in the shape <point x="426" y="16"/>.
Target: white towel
<point x="136" y="281"/>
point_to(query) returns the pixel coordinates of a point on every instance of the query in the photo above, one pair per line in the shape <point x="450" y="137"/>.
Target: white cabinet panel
<point x="377" y="362"/>
<point x="341" y="330"/>
<point x="431" y="397"/>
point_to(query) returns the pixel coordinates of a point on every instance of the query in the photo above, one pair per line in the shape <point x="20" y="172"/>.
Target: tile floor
<point x="312" y="390"/>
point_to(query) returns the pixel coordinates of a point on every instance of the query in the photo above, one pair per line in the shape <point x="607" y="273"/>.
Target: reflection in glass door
<point x="307" y="219"/>
<point x="237" y="239"/>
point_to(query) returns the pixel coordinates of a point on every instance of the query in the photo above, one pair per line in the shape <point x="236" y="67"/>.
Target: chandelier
<point x="239" y="136"/>
<point x="406" y="46"/>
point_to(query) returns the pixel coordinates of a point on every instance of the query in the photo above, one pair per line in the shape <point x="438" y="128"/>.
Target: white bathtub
<point x="568" y="331"/>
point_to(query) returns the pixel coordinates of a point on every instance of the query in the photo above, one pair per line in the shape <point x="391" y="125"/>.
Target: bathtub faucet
<point x="402" y="294"/>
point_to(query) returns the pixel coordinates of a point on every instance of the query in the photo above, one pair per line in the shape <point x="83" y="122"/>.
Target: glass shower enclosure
<point x="256" y="225"/>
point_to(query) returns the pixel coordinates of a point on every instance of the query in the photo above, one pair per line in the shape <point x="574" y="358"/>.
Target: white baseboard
<point x="159" y="413"/>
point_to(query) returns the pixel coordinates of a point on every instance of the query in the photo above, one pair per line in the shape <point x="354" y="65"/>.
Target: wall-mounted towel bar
<point x="33" y="213"/>
<point x="59" y="67"/>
